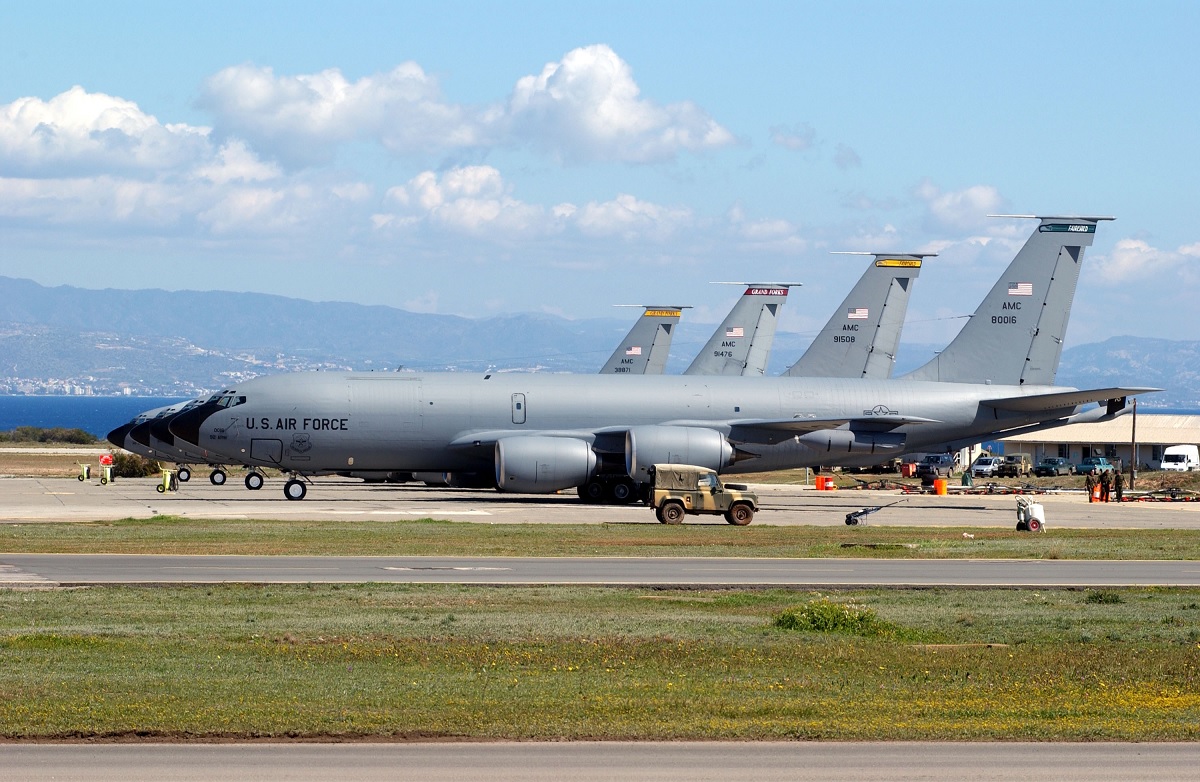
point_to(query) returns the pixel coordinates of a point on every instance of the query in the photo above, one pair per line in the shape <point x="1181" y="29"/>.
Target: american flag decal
<point x="1020" y="289"/>
<point x="736" y="331"/>
<point x="636" y="350"/>
<point x="857" y="313"/>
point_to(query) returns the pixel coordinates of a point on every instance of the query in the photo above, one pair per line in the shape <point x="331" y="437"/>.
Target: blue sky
<point x="471" y="158"/>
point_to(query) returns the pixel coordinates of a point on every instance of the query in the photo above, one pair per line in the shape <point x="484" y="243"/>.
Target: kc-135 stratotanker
<point x="545" y="433"/>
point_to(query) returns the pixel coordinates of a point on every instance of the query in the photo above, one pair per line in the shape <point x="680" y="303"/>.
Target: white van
<point x="1181" y="458"/>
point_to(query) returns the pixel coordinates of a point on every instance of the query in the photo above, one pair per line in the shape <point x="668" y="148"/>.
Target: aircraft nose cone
<point x="186" y="425"/>
<point x="117" y="436"/>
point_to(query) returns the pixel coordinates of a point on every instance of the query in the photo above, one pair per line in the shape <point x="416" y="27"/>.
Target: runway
<point x="27" y="500"/>
<point x="603" y="762"/>
<point x="45" y="570"/>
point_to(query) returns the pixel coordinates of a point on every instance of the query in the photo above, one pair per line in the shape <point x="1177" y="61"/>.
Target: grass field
<point x="592" y="663"/>
<point x="428" y="537"/>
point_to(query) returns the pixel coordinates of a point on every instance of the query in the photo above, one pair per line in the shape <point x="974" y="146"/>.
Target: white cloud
<point x="584" y="107"/>
<point x="303" y="118"/>
<point x="77" y="132"/>
<point x="796" y="137"/>
<point x="846" y="158"/>
<point x="476" y="201"/>
<point x="961" y="210"/>
<point x="472" y="200"/>
<point x="588" y="107"/>
<point x="1134" y="260"/>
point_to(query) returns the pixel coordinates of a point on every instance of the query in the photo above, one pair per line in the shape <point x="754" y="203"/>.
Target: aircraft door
<point x="518" y="408"/>
<point x="266" y="450"/>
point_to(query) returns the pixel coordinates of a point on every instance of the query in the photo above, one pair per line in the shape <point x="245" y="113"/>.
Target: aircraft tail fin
<point x="741" y="345"/>
<point x="861" y="337"/>
<point x="1015" y="336"/>
<point x="644" y="349"/>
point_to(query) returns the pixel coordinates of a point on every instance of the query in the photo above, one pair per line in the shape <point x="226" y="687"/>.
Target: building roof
<point x="1151" y="430"/>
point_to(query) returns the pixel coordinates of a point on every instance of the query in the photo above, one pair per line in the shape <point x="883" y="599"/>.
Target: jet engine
<point x="847" y="441"/>
<point x="541" y="465"/>
<point x="646" y="446"/>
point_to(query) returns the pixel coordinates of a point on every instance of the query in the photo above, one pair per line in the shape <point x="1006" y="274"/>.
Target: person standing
<point x="1090" y="483"/>
<point x="1105" y="484"/>
<point x="1119" y="485"/>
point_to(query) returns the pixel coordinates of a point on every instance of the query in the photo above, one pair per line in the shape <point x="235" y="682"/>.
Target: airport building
<point x="1112" y="439"/>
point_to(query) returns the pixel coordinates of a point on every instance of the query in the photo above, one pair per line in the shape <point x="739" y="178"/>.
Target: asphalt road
<point x="65" y="499"/>
<point x="91" y="569"/>
<point x="602" y="762"/>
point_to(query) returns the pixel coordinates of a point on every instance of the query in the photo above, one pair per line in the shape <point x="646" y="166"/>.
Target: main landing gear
<point x="609" y="491"/>
<point x="217" y="477"/>
<point x="185" y="474"/>
<point x="254" y="481"/>
<point x="295" y="489"/>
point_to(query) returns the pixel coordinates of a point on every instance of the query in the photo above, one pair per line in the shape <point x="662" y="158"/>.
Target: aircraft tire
<point x="295" y="489"/>
<point x="622" y="492"/>
<point x="740" y="514"/>
<point x="185" y="475"/>
<point x="672" y="512"/>
<point x="592" y="491"/>
<point x="254" y="481"/>
<point x="217" y="477"/>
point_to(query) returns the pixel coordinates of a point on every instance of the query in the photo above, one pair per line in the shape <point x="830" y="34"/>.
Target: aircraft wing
<point x="766" y="431"/>
<point x="1033" y="403"/>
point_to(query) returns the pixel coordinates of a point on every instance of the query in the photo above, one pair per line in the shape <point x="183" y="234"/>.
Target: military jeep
<point x="680" y="489"/>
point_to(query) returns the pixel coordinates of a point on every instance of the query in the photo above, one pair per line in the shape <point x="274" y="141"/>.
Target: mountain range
<point x="187" y="342"/>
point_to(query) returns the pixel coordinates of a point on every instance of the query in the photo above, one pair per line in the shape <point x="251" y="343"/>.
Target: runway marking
<point x="298" y="568"/>
<point x="432" y="567"/>
<point x="59" y="493"/>
<point x="11" y="575"/>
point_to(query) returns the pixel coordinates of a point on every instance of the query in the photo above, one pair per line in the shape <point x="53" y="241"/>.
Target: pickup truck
<point x="1094" y="464"/>
<point x="681" y="489"/>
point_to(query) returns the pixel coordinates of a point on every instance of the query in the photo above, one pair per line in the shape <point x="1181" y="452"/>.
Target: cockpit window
<point x="231" y="401"/>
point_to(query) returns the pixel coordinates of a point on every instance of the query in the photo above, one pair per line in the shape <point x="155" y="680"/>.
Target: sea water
<point x="95" y="414"/>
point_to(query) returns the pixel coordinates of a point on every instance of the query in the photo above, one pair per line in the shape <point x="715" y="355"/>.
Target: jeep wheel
<point x="672" y="512"/>
<point x="740" y="514"/>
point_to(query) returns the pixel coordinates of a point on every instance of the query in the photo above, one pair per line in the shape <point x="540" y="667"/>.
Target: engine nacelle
<point x="846" y="441"/>
<point x="646" y="446"/>
<point x="541" y="465"/>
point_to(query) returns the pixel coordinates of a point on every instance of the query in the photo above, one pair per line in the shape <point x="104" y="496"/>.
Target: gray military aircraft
<point x="644" y="349"/>
<point x="741" y="345"/>
<point x="861" y="337"/>
<point x="545" y="433"/>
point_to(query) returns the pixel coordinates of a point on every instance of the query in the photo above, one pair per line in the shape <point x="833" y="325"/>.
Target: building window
<point x="1064" y="451"/>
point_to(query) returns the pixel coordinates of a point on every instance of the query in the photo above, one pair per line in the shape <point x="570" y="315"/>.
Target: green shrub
<point x="130" y="465"/>
<point x="56" y="434"/>
<point x="827" y="616"/>
<point x="1103" y="597"/>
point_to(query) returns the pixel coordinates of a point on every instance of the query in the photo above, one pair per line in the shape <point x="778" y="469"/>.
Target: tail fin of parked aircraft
<point x="1015" y="336"/>
<point x="644" y="349"/>
<point x="860" y="338"/>
<point x="741" y="345"/>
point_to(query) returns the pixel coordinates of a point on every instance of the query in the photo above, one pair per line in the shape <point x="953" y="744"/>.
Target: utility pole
<point x="1133" y="453"/>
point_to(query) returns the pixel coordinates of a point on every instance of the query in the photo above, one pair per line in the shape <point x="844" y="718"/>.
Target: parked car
<point x="1054" y="465"/>
<point x="937" y="465"/>
<point x="1015" y="465"/>
<point x="1094" y="464"/>
<point x="985" y="466"/>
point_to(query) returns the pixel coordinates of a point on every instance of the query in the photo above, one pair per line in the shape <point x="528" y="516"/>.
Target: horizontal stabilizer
<point x="1033" y="403"/>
